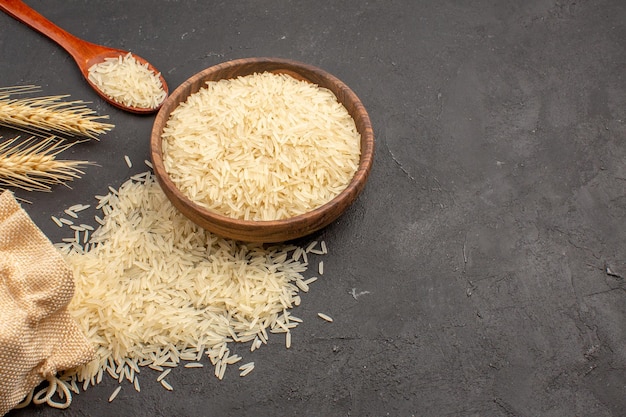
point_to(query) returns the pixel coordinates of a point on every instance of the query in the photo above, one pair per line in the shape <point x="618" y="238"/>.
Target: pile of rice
<point x="129" y="82"/>
<point x="261" y="147"/>
<point x="153" y="289"/>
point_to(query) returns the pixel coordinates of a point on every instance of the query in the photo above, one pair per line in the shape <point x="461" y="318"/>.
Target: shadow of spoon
<point x="85" y="54"/>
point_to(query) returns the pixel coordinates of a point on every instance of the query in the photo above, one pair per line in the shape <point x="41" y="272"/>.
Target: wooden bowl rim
<point x="272" y="227"/>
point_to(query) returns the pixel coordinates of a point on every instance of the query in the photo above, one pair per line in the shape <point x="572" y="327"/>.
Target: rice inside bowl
<point x="262" y="147"/>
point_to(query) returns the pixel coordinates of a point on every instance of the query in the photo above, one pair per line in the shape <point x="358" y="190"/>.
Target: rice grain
<point x="264" y="146"/>
<point x="152" y="288"/>
<point x="115" y="393"/>
<point x="194" y="365"/>
<point x="166" y="385"/>
<point x="163" y="374"/>
<point x="127" y="81"/>
<point x="325" y="317"/>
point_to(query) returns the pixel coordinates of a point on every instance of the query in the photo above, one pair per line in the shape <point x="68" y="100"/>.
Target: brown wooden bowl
<point x="276" y="230"/>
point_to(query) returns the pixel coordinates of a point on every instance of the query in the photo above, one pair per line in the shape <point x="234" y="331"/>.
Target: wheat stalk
<point x="32" y="164"/>
<point x="49" y="115"/>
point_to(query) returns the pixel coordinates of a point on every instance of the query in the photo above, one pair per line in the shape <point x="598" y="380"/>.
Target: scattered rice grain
<point x="222" y="371"/>
<point x="302" y="285"/>
<point x="166" y="385"/>
<point x="143" y="238"/>
<point x="310" y="247"/>
<point x="194" y="365"/>
<point x="115" y="393"/>
<point x="325" y="317"/>
<point x="163" y="375"/>
<point x="246" y="369"/>
<point x="310" y="280"/>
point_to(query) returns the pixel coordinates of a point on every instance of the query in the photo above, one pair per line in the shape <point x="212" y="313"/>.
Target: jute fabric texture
<point x="38" y="337"/>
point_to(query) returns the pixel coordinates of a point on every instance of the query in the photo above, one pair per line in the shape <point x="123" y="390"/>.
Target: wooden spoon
<point x="85" y="54"/>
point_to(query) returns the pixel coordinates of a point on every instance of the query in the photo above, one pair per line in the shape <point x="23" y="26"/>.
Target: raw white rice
<point x="261" y="147"/>
<point x="325" y="317"/>
<point x="297" y="254"/>
<point x="112" y="373"/>
<point x="309" y="282"/>
<point x="127" y="81"/>
<point x="246" y="368"/>
<point x="128" y="162"/>
<point x="153" y="289"/>
<point x="74" y="386"/>
<point x="164" y="374"/>
<point x="232" y="359"/>
<point x="296" y="319"/>
<point x="166" y="385"/>
<point x="78" y="207"/>
<point x="194" y="365"/>
<point x="99" y="376"/>
<point x="304" y="287"/>
<point x="310" y="247"/>
<point x="71" y="213"/>
<point x="115" y="393"/>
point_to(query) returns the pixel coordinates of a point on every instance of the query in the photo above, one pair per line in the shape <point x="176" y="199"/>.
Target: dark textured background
<point x="496" y="201"/>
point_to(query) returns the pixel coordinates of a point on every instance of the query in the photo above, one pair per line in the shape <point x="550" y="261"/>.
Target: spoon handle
<point x="78" y="48"/>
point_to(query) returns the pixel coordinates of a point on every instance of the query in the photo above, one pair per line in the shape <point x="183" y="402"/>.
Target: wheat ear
<point x="49" y="115"/>
<point x="32" y="165"/>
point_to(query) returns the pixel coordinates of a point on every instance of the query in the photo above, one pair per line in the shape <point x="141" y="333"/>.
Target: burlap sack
<point x="38" y="337"/>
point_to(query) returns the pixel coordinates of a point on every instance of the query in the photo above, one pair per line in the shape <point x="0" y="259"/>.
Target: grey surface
<point x="496" y="201"/>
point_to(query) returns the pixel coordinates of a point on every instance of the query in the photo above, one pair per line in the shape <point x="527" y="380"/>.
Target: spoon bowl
<point x="97" y="54"/>
<point x="86" y="54"/>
